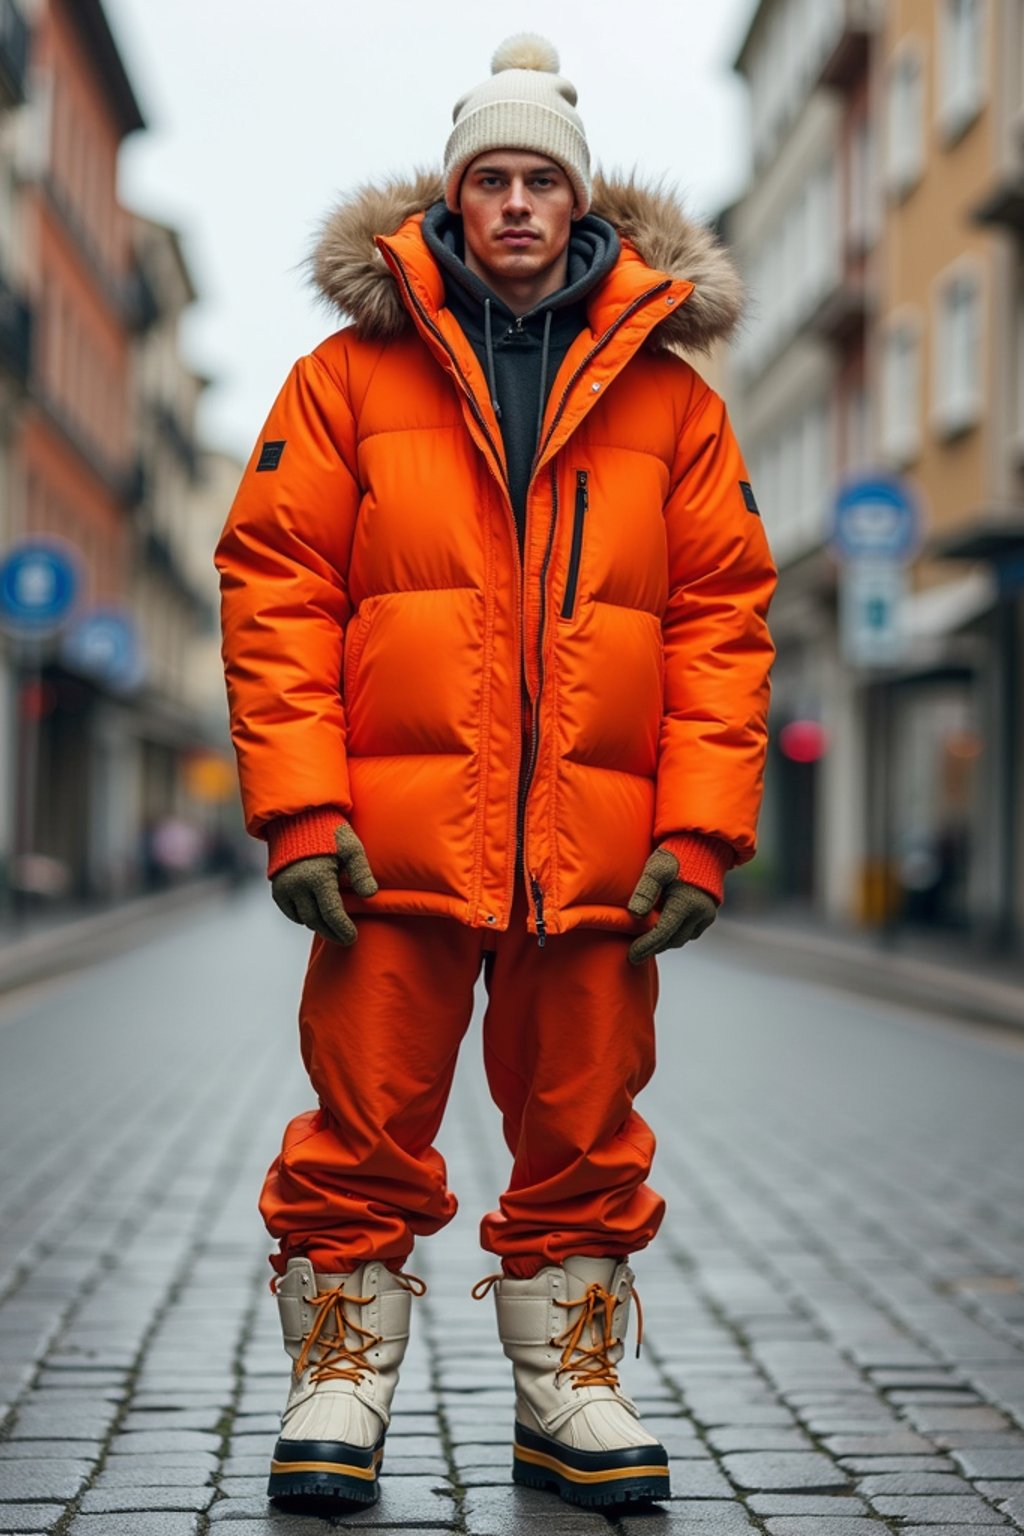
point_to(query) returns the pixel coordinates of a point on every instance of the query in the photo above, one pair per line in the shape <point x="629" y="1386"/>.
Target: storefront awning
<point x="946" y="608"/>
<point x="998" y="541"/>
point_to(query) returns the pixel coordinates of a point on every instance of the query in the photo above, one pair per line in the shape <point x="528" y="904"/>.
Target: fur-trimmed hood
<point x="352" y="277"/>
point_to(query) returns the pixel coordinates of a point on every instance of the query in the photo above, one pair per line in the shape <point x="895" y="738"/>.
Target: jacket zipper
<point x="582" y="503"/>
<point x="531" y="762"/>
<point x="481" y="420"/>
<point x="503" y="482"/>
<point x="538" y="902"/>
<point x="595" y="349"/>
<point x="526" y="778"/>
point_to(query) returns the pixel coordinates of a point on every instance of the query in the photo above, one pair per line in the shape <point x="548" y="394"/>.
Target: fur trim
<point x="351" y="275"/>
<point x="347" y="267"/>
<point x="652" y="219"/>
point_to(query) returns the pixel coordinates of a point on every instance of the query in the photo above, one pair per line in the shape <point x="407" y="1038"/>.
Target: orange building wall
<point x="79" y="242"/>
<point x="925" y="235"/>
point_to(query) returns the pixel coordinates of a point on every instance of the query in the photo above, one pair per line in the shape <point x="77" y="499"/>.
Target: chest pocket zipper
<point x="355" y="640"/>
<point x="576" y="549"/>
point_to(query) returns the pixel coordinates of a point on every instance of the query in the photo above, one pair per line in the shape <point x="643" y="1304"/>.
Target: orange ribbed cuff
<point x="703" y="860"/>
<point x="307" y="835"/>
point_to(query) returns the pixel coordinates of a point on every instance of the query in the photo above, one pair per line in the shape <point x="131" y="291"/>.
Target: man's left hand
<point x="686" y="910"/>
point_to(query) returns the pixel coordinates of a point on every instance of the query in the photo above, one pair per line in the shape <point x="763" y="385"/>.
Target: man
<point x="494" y="599"/>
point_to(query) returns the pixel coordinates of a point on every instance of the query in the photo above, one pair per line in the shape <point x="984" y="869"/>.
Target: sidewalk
<point x="52" y="943"/>
<point x="928" y="970"/>
<point x="914" y="969"/>
<point x="834" y="1307"/>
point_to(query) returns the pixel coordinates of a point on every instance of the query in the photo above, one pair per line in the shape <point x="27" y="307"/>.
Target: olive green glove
<point x="308" y="891"/>
<point x="686" y="910"/>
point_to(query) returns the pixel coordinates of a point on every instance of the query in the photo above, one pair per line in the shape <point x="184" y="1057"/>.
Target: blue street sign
<point x="103" y="643"/>
<point x="872" y="612"/>
<point x="878" y="518"/>
<point x="38" y="583"/>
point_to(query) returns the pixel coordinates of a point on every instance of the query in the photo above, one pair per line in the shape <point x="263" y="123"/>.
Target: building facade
<point x="805" y="237"/>
<point x="101" y="455"/>
<point x="15" y="343"/>
<point x="73" y="450"/>
<point x="882" y="286"/>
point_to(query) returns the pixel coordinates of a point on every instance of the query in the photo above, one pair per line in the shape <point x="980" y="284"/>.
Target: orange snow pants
<point x="568" y="1043"/>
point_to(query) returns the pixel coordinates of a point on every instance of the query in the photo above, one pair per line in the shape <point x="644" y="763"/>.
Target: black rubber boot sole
<point x="323" y="1476"/>
<point x="593" y="1479"/>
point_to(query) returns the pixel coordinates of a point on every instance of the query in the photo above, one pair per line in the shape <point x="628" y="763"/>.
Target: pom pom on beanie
<point x="526" y="104"/>
<point x="526" y="50"/>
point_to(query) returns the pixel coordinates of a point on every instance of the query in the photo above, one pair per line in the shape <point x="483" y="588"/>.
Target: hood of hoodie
<point x="354" y="279"/>
<point x="593" y="249"/>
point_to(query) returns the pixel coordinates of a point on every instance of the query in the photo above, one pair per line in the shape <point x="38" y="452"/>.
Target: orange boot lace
<point x="338" y="1362"/>
<point x="594" y="1368"/>
<point x="587" y="1343"/>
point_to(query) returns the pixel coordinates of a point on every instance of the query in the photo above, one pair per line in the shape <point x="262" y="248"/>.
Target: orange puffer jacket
<point x="377" y="617"/>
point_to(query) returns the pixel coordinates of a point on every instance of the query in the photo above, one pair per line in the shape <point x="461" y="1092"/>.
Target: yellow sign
<point x="211" y="778"/>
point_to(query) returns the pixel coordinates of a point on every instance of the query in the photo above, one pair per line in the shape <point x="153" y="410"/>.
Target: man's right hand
<point x="308" y="891"/>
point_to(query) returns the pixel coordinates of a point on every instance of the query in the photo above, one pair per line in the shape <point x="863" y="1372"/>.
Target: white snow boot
<point x="347" y="1335"/>
<point x="576" y="1430"/>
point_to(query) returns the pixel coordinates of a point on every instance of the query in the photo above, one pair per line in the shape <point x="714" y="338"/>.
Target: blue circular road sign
<point x="878" y="518"/>
<point x="38" y="584"/>
<point x="103" y="643"/>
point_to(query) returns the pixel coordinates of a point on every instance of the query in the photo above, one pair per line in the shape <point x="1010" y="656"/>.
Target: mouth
<point x="517" y="238"/>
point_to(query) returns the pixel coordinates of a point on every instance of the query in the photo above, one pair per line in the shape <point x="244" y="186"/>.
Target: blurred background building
<point x="881" y="243"/>
<point x="113" y="745"/>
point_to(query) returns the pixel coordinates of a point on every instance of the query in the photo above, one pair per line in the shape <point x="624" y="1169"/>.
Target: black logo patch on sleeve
<point x="270" y="457"/>
<point x="749" y="498"/>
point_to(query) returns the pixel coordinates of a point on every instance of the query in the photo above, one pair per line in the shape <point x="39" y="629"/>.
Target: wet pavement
<point x="834" y="1308"/>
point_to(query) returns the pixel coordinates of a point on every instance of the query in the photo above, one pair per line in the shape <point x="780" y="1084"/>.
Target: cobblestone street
<point x="834" y="1308"/>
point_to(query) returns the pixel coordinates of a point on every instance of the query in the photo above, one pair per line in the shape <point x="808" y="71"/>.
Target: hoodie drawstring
<point x="492" y="382"/>
<point x="489" y="346"/>
<point x="543" y="400"/>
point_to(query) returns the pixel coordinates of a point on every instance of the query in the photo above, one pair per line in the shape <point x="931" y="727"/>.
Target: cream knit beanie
<point x="525" y="104"/>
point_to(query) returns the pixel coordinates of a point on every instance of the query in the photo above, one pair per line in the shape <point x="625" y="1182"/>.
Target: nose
<point x="516" y="200"/>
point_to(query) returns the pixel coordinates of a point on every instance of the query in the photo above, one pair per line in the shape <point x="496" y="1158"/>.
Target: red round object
<point x="37" y="700"/>
<point x="803" y="741"/>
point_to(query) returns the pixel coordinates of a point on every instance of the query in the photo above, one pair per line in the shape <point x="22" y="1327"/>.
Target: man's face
<point x="517" y="214"/>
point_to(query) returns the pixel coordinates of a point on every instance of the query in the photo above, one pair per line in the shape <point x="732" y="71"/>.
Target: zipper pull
<point x="538" y="901"/>
<point x="582" y="489"/>
<point x="519" y="323"/>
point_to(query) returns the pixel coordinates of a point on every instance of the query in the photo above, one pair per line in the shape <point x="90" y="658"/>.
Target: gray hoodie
<point x="520" y="355"/>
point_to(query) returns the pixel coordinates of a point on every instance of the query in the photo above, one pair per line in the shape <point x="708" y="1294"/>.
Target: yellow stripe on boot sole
<point x="338" y="1467"/>
<point x="541" y="1459"/>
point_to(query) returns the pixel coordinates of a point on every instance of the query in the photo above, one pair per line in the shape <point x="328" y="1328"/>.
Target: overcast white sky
<point x="261" y="113"/>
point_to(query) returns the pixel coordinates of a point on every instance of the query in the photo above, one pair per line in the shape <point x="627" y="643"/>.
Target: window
<point x="34" y="127"/>
<point x="819" y="263"/>
<point x="905" y="156"/>
<point x="901" y="394"/>
<point x="862" y="214"/>
<point x="961" y="73"/>
<point x="791" y="255"/>
<point x="57" y="311"/>
<point x="793" y="40"/>
<point x="814" y="472"/>
<point x="858" y="427"/>
<point x="8" y="215"/>
<point x="957" y="392"/>
<point x="792" y="467"/>
<point x="1020" y="360"/>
